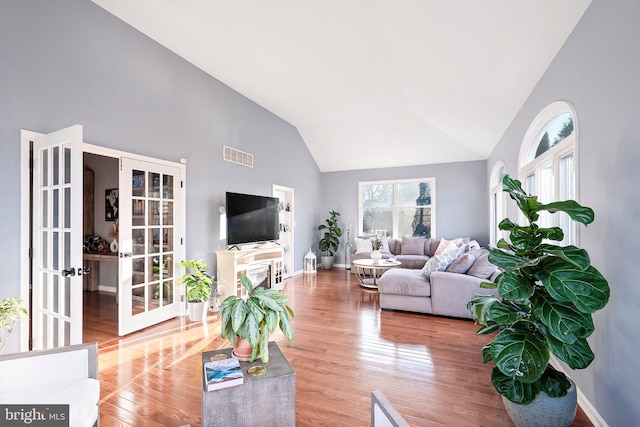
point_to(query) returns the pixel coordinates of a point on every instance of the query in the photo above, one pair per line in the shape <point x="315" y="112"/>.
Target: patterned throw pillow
<point x="438" y="263"/>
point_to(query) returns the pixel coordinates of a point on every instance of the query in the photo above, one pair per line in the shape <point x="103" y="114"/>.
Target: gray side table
<point x="265" y="400"/>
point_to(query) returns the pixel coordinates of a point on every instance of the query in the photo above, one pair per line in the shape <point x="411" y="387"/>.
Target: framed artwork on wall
<point x="111" y="204"/>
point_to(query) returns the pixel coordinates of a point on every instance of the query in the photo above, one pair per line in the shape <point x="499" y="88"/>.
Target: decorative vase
<point x="114" y="245"/>
<point x="376" y="256"/>
<point x="545" y="411"/>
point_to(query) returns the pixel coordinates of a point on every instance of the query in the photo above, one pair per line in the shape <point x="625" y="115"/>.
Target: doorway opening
<point x="119" y="218"/>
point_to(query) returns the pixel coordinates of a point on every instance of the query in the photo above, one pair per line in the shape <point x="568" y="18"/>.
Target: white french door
<point x="150" y="244"/>
<point x="57" y="239"/>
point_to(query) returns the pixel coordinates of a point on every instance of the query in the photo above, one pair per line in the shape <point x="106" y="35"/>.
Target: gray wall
<point x="598" y="71"/>
<point x="69" y="61"/>
<point x="461" y="198"/>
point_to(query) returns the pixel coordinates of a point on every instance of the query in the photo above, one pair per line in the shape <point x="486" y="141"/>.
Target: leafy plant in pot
<point x="11" y="312"/>
<point x="253" y="318"/>
<point x="330" y="241"/>
<point x="198" y="287"/>
<point x="548" y="294"/>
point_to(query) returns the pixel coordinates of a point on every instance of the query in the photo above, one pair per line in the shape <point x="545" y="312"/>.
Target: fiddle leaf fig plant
<point x="548" y="294"/>
<point x="330" y="240"/>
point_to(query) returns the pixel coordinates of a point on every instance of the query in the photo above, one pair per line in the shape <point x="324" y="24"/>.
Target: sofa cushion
<point x="464" y="262"/>
<point x="411" y="261"/>
<point x="400" y="281"/>
<point x="412" y="246"/>
<point x="393" y="246"/>
<point x="82" y="396"/>
<point x="438" y="263"/>
<point x="482" y="268"/>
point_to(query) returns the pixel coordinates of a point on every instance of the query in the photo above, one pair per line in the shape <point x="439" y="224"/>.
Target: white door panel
<point x="57" y="239"/>
<point x="150" y="244"/>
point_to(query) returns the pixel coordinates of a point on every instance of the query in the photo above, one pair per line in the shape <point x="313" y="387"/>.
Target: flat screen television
<point x="251" y="218"/>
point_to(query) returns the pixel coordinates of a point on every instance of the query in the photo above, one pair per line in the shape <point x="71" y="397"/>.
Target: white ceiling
<point x="371" y="83"/>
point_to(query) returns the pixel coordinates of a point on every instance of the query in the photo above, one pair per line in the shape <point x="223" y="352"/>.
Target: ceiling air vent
<point x="236" y="156"/>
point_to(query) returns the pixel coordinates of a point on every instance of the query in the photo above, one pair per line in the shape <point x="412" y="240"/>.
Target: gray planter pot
<point x="196" y="310"/>
<point x="326" y="262"/>
<point x="545" y="411"/>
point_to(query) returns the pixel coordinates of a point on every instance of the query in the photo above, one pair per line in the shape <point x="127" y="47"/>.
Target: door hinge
<point x="182" y="240"/>
<point x="181" y="184"/>
<point x="120" y="163"/>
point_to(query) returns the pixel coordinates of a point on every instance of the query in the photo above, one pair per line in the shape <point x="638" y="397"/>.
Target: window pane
<point x="414" y="221"/>
<point x="556" y="131"/>
<point x="567" y="191"/>
<point x="377" y="195"/>
<point x="397" y="208"/>
<point x="377" y="219"/>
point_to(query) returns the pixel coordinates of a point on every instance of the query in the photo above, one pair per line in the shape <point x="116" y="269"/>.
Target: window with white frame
<point x="547" y="163"/>
<point x="397" y="208"/>
<point x="497" y="203"/>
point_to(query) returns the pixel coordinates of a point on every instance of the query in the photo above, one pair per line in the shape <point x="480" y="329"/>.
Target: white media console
<point x="262" y="263"/>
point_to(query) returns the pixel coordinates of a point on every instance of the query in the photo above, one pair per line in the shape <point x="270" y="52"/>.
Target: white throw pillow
<point x="439" y="263"/>
<point x="363" y="245"/>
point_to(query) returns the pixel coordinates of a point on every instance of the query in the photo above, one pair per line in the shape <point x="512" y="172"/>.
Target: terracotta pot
<point x="242" y="349"/>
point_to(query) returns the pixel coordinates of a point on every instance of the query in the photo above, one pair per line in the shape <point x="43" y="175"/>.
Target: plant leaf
<point x="554" y="383"/>
<point x="520" y="352"/>
<point x="577" y="355"/>
<point x="576" y="211"/>
<point x="251" y="330"/>
<point x="512" y="389"/>
<point x="571" y="254"/>
<point x="563" y="321"/>
<point x="238" y="314"/>
<point x="514" y="287"/>
<point x="587" y="289"/>
<point x="285" y="324"/>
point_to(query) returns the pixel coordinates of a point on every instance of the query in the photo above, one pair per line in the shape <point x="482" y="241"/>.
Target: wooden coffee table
<point x="368" y="271"/>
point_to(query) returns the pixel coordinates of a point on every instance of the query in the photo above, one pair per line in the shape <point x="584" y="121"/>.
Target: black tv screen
<point x="251" y="218"/>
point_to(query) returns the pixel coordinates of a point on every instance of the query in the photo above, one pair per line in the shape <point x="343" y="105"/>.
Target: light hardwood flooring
<point x="345" y="347"/>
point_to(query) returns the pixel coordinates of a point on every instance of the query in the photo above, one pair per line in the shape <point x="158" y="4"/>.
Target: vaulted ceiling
<point x="371" y="83"/>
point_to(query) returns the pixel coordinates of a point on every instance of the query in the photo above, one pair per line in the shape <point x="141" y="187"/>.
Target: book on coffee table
<point x="223" y="373"/>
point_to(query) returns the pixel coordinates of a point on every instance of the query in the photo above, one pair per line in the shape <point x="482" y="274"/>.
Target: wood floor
<point x="344" y="348"/>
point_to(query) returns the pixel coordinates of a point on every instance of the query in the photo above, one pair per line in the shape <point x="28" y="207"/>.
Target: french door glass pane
<point x="152" y="232"/>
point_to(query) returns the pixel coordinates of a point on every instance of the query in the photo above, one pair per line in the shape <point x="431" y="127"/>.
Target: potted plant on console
<point x="247" y="321"/>
<point x="329" y="242"/>
<point x="547" y="296"/>
<point x="198" y="286"/>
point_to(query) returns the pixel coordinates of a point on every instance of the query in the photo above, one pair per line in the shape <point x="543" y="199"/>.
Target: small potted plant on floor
<point x="547" y="296"/>
<point x="330" y="241"/>
<point x="250" y="320"/>
<point x="198" y="287"/>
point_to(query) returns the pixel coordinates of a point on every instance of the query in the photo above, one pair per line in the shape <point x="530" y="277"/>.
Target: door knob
<point x="126" y="255"/>
<point x="70" y="272"/>
<point x="84" y="270"/>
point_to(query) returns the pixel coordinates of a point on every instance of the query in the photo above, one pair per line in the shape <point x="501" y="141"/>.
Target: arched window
<point x="547" y="166"/>
<point x="497" y="202"/>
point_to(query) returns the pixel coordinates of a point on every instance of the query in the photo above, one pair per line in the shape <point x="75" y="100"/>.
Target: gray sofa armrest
<point x="450" y="293"/>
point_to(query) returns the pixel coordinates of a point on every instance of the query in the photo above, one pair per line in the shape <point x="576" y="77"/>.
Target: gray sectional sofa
<point x="433" y="283"/>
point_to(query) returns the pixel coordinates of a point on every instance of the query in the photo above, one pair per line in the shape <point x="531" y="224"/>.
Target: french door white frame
<point x="26" y="136"/>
